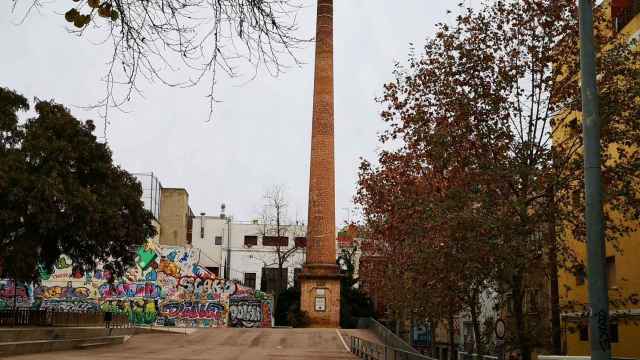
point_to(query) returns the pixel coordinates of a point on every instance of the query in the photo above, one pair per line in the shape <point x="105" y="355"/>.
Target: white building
<point x="248" y="251"/>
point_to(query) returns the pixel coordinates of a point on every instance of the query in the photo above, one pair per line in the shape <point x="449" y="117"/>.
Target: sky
<point x="260" y="132"/>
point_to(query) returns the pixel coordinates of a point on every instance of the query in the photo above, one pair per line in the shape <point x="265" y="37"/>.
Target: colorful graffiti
<point x="167" y="287"/>
<point x="194" y="314"/>
<point x="248" y="313"/>
<point x="62" y="292"/>
<point x="13" y="294"/>
<point x="69" y="305"/>
<point x="140" y="312"/>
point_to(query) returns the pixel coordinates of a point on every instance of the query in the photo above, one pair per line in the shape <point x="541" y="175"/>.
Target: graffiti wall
<point x="166" y="287"/>
<point x="14" y="294"/>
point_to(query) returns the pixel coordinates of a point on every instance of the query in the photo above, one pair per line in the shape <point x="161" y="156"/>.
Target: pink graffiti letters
<point x="189" y="310"/>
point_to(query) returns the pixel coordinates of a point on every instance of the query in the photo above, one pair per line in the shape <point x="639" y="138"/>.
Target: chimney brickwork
<point x="320" y="279"/>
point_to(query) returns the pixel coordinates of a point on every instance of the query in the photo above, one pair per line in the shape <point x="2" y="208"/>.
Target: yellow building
<point x="176" y="217"/>
<point x="623" y="267"/>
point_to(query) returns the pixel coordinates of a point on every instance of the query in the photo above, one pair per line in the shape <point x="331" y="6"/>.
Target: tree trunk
<point x="522" y="339"/>
<point x="451" y="336"/>
<point x="433" y="326"/>
<point x="475" y="307"/>
<point x="556" y="332"/>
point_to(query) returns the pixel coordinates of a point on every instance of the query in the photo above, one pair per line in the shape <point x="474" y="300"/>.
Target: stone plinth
<point x="320" y="295"/>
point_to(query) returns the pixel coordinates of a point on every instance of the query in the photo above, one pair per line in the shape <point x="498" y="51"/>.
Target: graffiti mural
<point x="69" y="305"/>
<point x="12" y="293"/>
<point x="245" y="313"/>
<point x="166" y="287"/>
<point x="194" y="314"/>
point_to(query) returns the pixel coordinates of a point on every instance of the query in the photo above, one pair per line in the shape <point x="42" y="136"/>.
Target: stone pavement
<point x="222" y="344"/>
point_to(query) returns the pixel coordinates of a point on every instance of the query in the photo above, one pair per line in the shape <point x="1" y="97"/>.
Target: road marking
<point x="343" y="342"/>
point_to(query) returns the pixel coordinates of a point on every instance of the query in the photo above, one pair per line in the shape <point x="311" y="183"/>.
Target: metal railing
<point x="388" y="337"/>
<point x="469" y="356"/>
<point x="565" y="357"/>
<point x="30" y="317"/>
<point x="371" y="351"/>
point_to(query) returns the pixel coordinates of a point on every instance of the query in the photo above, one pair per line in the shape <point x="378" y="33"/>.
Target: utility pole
<point x="596" y="272"/>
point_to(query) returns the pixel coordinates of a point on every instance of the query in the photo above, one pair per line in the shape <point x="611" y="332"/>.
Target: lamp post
<point x="598" y="295"/>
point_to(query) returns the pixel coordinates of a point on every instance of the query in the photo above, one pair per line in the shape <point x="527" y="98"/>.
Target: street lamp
<point x="598" y="295"/>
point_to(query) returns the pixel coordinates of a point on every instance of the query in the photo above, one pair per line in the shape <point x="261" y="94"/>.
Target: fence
<point x="387" y="336"/>
<point x="29" y="317"/>
<point x="371" y="351"/>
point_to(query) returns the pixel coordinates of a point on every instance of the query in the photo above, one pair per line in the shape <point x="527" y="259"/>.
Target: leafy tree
<point x="60" y="193"/>
<point x="152" y="39"/>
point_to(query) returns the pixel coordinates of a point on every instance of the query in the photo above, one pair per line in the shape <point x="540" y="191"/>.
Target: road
<point x="223" y="344"/>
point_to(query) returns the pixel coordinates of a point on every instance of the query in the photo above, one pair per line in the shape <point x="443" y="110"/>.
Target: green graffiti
<point x="44" y="274"/>
<point x="3" y="305"/>
<point x="145" y="257"/>
<point x="62" y="263"/>
<point x="138" y="312"/>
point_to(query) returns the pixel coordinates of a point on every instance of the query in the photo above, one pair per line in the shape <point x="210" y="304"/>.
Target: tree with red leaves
<point x="486" y="187"/>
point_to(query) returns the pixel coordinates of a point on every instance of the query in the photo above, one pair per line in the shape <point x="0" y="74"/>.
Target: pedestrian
<point x="108" y="316"/>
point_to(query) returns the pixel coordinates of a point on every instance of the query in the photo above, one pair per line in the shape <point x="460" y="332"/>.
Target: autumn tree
<point x="153" y="39"/>
<point x="486" y="120"/>
<point x="60" y="193"/>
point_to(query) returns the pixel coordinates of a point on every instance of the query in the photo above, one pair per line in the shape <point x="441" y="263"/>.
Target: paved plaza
<point x="219" y="344"/>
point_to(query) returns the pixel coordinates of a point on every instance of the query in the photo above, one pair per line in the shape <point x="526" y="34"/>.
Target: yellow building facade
<point x="623" y="267"/>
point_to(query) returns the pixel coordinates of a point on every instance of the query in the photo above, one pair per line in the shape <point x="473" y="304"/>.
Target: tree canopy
<point x="60" y="193"/>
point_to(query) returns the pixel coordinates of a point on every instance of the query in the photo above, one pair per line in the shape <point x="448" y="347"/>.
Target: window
<point x="250" y="240"/>
<point x="611" y="271"/>
<point x="623" y="11"/>
<point x="584" y="331"/>
<point x="250" y="280"/>
<point x="189" y="228"/>
<point x="580" y="275"/>
<point x="218" y="240"/>
<point x="215" y="270"/>
<point x="275" y="241"/>
<point x="613" y="332"/>
<point x="270" y="279"/>
<point x="300" y="241"/>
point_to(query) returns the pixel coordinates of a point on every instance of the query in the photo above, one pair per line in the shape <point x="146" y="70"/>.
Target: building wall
<point x="627" y="281"/>
<point x="174" y="216"/>
<point x="243" y="259"/>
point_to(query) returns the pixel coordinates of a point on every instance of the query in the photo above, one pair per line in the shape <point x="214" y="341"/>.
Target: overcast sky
<point x="260" y="133"/>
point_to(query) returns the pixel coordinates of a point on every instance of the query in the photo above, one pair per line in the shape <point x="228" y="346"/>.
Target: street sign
<point x="500" y="329"/>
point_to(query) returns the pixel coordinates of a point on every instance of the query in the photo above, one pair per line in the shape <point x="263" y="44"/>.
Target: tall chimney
<point x="321" y="228"/>
<point x="320" y="279"/>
